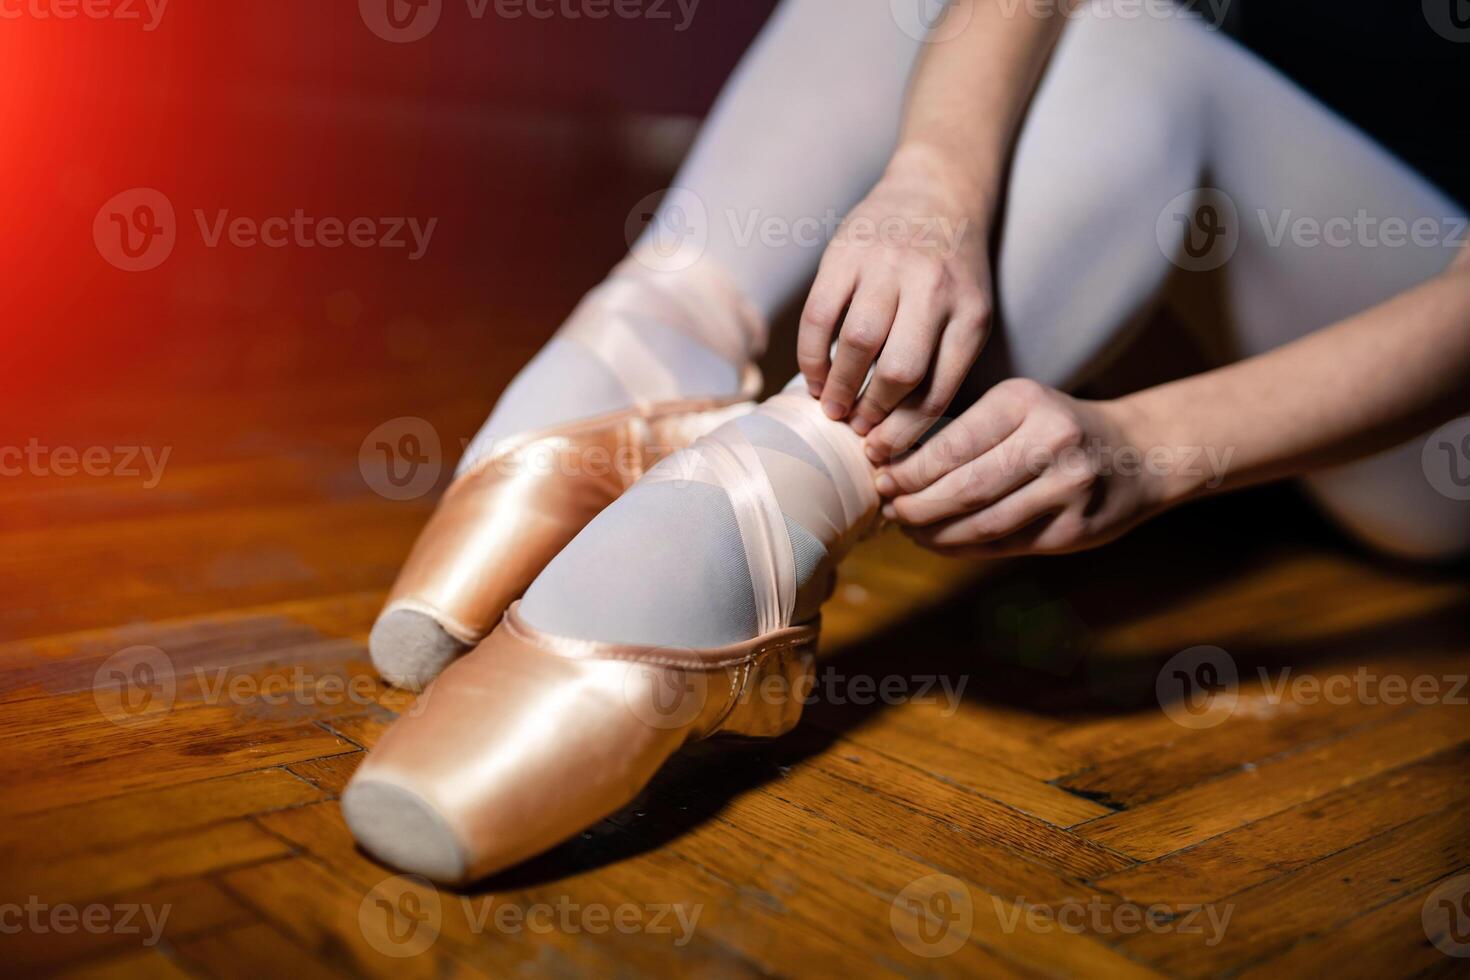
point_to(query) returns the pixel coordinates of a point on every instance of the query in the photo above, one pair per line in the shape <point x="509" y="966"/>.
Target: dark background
<point x="1381" y="66"/>
<point x="528" y="139"/>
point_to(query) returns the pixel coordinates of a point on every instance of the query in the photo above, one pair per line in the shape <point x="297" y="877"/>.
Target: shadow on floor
<point x="1022" y="638"/>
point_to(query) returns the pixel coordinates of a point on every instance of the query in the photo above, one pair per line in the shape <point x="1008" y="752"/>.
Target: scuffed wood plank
<point x="251" y="951"/>
<point x="109" y="822"/>
<point x="980" y="775"/>
<point x="1316" y="900"/>
<point x="1294" y="838"/>
<point x="89" y="874"/>
<point x="136" y="921"/>
<point x="1385" y="942"/>
<point x="330" y="775"/>
<point x="1194" y="815"/>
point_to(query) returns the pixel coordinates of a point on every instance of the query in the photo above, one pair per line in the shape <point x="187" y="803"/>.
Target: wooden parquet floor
<point x="1017" y="769"/>
<point x="1024" y="769"/>
<point x="987" y="782"/>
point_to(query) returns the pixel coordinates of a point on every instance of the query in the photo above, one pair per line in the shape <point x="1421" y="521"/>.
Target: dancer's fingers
<point x="969" y="488"/>
<point x="959" y="346"/>
<point x="1051" y="535"/>
<point x="867" y="325"/>
<point x="1047" y="496"/>
<point x="829" y="296"/>
<point x="907" y="356"/>
<point x="981" y="428"/>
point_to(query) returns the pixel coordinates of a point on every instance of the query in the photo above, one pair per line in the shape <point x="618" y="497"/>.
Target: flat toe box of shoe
<point x="410" y="648"/>
<point x="402" y="830"/>
<point x="509" y="752"/>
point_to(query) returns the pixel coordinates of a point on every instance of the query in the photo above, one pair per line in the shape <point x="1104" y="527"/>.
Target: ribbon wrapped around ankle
<point x="610" y="334"/>
<point x="699" y="302"/>
<point x="715" y="310"/>
<point x="838" y="447"/>
<point x="726" y="459"/>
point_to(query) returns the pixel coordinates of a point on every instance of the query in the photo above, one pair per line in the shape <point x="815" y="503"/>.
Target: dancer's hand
<point x="910" y="268"/>
<point x="1029" y="470"/>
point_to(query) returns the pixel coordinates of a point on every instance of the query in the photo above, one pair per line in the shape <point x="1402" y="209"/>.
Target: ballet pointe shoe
<point x="504" y="519"/>
<point x="532" y="738"/>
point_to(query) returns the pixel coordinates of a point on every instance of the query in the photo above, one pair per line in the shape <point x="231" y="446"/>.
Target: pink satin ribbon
<point x="700" y="302"/>
<point x="839" y="451"/>
<point x="610" y="336"/>
<point x="727" y="459"/>
<point x="714" y="309"/>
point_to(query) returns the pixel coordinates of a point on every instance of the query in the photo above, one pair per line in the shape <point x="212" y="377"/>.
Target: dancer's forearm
<point x="969" y="93"/>
<point x="1028" y="469"/>
<point x="905" y="287"/>
<point x="1348" y="390"/>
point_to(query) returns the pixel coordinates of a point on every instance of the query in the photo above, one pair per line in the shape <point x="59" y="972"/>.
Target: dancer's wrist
<point x="966" y="186"/>
<point x="1172" y="470"/>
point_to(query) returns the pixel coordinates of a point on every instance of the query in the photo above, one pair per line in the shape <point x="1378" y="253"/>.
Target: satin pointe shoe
<point x="532" y="738"/>
<point x="506" y="516"/>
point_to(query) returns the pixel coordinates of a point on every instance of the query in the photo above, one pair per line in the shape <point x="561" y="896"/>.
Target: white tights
<point x="1133" y="112"/>
<point x="761" y="158"/>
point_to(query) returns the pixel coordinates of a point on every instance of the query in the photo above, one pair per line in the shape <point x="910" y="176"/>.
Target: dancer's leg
<point x="765" y="183"/>
<point x="768" y="177"/>
<point x="534" y="736"/>
<point x="1132" y="113"/>
<point x="800" y="133"/>
<point x="1101" y="154"/>
<point x="678" y="554"/>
